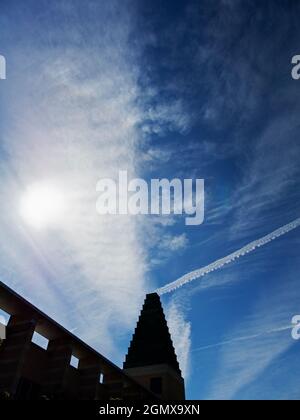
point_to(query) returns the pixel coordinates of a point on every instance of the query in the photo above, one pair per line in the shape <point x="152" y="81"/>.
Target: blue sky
<point x="184" y="89"/>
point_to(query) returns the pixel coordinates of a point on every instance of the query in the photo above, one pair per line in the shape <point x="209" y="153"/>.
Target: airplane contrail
<point x="229" y="259"/>
<point x="244" y="338"/>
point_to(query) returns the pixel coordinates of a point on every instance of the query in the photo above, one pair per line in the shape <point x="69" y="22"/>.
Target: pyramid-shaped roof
<point x="151" y="343"/>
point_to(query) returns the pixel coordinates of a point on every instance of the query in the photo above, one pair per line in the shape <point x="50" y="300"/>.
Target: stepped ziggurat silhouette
<point x="29" y="371"/>
<point x="151" y="357"/>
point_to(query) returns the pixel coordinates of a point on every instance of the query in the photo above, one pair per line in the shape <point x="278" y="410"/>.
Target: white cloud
<point x="180" y="330"/>
<point x="167" y="116"/>
<point x="72" y="118"/>
<point x="162" y="246"/>
<point x="174" y="243"/>
<point x="254" y="344"/>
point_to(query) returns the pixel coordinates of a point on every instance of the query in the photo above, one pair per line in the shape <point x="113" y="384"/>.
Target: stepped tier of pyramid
<point x="151" y="343"/>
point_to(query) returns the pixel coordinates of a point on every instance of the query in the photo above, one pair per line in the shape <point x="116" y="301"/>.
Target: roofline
<point x="71" y="335"/>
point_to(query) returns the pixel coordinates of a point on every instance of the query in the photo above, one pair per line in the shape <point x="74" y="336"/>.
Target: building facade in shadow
<point x="65" y="368"/>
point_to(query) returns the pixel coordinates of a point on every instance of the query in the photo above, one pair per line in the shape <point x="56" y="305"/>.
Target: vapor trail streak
<point x="229" y="259"/>
<point x="244" y="338"/>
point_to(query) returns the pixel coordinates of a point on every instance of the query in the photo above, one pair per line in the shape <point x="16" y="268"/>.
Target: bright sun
<point x="42" y="205"/>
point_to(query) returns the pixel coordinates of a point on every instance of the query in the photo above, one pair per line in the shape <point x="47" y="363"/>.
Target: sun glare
<point x="42" y="205"/>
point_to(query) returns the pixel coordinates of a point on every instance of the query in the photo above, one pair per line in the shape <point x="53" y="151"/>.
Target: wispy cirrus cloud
<point x="180" y="330"/>
<point x="71" y="118"/>
<point x="244" y="357"/>
<point x="74" y="114"/>
<point x="251" y="165"/>
<point x="228" y="93"/>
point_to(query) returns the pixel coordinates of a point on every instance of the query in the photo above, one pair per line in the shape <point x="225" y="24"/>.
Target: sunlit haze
<point x="42" y="205"/>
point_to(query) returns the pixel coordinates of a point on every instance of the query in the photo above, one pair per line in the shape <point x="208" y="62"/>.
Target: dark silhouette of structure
<point x="151" y="358"/>
<point x="30" y="372"/>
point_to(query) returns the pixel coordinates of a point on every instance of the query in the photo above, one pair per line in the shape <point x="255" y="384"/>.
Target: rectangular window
<point x="74" y="362"/>
<point x="4" y="317"/>
<point x="40" y="340"/>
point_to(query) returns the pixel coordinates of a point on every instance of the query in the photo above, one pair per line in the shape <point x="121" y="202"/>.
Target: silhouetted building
<point x="28" y="371"/>
<point x="39" y="359"/>
<point x="151" y="358"/>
